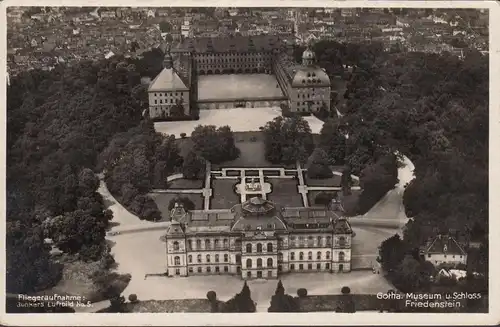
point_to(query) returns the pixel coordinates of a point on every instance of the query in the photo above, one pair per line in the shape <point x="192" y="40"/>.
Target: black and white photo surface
<point x="316" y="159"/>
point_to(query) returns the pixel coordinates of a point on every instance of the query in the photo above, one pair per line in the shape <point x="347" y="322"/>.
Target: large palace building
<point x="258" y="239"/>
<point x="304" y="87"/>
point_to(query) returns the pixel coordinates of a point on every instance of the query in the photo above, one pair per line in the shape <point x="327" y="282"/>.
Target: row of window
<point x="168" y="94"/>
<point x="242" y="54"/>
<point x="211" y="61"/>
<point x="259" y="263"/>
<point x="269" y="247"/>
<point x="166" y="101"/>
<point x="301" y="242"/>
<point x="207" y="257"/>
<point x="444" y="256"/>
<point x="318" y="255"/>
<point x="310" y="266"/>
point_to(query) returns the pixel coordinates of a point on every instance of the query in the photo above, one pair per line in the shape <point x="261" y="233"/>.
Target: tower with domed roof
<point x="308" y="57"/>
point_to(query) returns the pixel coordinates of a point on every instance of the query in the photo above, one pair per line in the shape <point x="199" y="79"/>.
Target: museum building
<point x="258" y="239"/>
<point x="305" y="87"/>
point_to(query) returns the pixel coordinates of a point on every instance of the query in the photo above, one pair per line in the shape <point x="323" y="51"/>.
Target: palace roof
<point x="256" y="43"/>
<point x="167" y="80"/>
<point x="303" y="76"/>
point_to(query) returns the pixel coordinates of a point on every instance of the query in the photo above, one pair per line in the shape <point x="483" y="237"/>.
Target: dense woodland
<point x="432" y="108"/>
<point x="58" y="123"/>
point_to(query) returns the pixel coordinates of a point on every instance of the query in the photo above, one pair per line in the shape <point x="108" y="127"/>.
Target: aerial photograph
<point x="250" y="160"/>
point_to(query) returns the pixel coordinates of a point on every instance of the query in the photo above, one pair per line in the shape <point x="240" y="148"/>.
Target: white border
<point x="265" y="319"/>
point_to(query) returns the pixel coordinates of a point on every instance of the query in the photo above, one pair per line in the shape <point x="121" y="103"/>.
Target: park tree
<point x="411" y="275"/>
<point x="287" y="140"/>
<point x="193" y="166"/>
<point x="376" y="180"/>
<point x="392" y="252"/>
<point x="241" y="302"/>
<point x="346" y="181"/>
<point x="318" y="165"/>
<point x="281" y="302"/>
<point x="333" y="141"/>
<point x="214" y="144"/>
<point x="185" y="201"/>
<point x="346" y="302"/>
<point x="87" y="182"/>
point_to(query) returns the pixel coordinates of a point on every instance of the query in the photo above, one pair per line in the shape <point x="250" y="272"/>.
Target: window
<point x="341" y="256"/>
<point x="177" y="261"/>
<point x="292" y="267"/>
<point x="318" y="266"/>
<point x="216" y="244"/>
<point x="310" y="266"/>
<point x="156" y="101"/>
<point x="269" y="247"/>
<point x="177" y="271"/>
<point x="301" y="267"/>
<point x="216" y="258"/>
<point x="226" y="269"/>
<point x="199" y="258"/>
<point x="327" y="254"/>
<point x="319" y="240"/>
<point x="292" y="256"/>
<point x="342" y="241"/>
<point x="199" y="269"/>
<point x="301" y="256"/>
<point x="310" y="256"/>
<point x="207" y="244"/>
<point x="292" y="241"/>
<point x="310" y="241"/>
<point x="176" y="246"/>
<point x="226" y="258"/>
<point x="280" y="256"/>
<point x="190" y="258"/>
<point x="259" y="263"/>
<point x="190" y="269"/>
<point x="249" y="274"/>
<point x="249" y="248"/>
<point x="208" y="257"/>
<point x="445" y="255"/>
<point x="270" y="262"/>
<point x="198" y="244"/>
<point x="259" y="247"/>
<point x="209" y="269"/>
<point x="327" y="266"/>
<point x="301" y="241"/>
<point x="238" y="258"/>
<point x="280" y="267"/>
<point x="318" y="255"/>
<point x="217" y="269"/>
<point x="190" y="245"/>
<point x="225" y="243"/>
<point x="328" y="240"/>
<point x="249" y="263"/>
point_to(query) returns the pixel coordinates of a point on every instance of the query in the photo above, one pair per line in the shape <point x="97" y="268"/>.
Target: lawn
<point x="332" y="181"/>
<point x="186" y="184"/>
<point x="284" y="192"/>
<point x="223" y="194"/>
<point x="163" y="199"/>
<point x="251" y="155"/>
<point x="187" y="305"/>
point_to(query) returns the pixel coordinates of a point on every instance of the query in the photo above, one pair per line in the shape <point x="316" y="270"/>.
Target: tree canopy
<point x="287" y="140"/>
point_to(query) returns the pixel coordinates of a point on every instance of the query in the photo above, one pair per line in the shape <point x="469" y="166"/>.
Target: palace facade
<point x="258" y="239"/>
<point x="305" y="86"/>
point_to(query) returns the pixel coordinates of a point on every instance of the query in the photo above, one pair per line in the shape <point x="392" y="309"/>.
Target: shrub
<point x="211" y="296"/>
<point x="302" y="292"/>
<point x="185" y="201"/>
<point x="345" y="290"/>
<point x="132" y="298"/>
<point x="183" y="135"/>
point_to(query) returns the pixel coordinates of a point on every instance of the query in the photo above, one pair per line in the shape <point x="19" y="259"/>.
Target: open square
<point x="238" y="86"/>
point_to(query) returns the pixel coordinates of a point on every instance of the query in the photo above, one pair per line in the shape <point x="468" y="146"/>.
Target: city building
<point x="444" y="249"/>
<point x="305" y="86"/>
<point x="258" y="239"/>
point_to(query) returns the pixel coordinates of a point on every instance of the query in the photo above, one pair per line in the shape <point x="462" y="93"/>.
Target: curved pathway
<point x="140" y="254"/>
